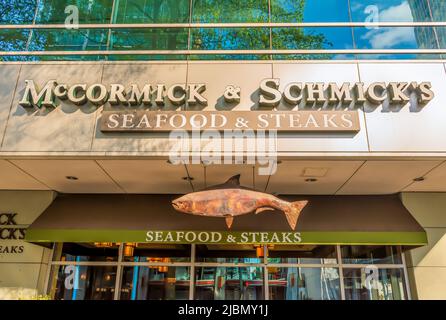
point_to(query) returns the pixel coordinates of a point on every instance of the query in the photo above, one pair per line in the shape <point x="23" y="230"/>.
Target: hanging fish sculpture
<point x="229" y="200"/>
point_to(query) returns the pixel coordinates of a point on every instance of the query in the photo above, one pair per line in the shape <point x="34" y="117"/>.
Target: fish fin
<point x="229" y="220"/>
<point x="293" y="212"/>
<point x="234" y="181"/>
<point x="258" y="210"/>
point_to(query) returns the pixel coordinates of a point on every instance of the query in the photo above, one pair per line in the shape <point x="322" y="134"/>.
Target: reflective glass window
<point x="312" y="38"/>
<point x="230" y="39"/>
<point x="57" y="11"/>
<point x="83" y="252"/>
<point x="374" y="284"/>
<point x="309" y="11"/>
<point x="438" y="8"/>
<point x="312" y="56"/>
<point x="399" y="56"/>
<point x="68" y="58"/>
<point x="150" y="253"/>
<point x="84" y="282"/>
<point x="370" y="255"/>
<point x="220" y="11"/>
<point x="229" y="283"/>
<point x="303" y="255"/>
<point x="145" y="57"/>
<point x="229" y="57"/>
<point x="149" y="39"/>
<point x="396" y="38"/>
<point x="17" y="11"/>
<point x="13" y="39"/>
<point x="68" y="40"/>
<point x="390" y="10"/>
<point x="155" y="283"/>
<point x="304" y="283"/>
<point x="151" y="11"/>
<point x="226" y="254"/>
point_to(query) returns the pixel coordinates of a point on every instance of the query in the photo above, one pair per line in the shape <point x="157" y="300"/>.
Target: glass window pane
<point x="68" y="40"/>
<point x="230" y="39"/>
<point x="370" y="255"/>
<point x="312" y="38"/>
<point x="92" y="11"/>
<point x="149" y="39"/>
<point x="13" y="39"/>
<point x="438" y="8"/>
<point x="84" y="282"/>
<point x="400" y="56"/>
<point x="228" y="57"/>
<point x="229" y="283"/>
<point x="152" y="11"/>
<point x="324" y="56"/>
<point x="303" y="254"/>
<point x="395" y="38"/>
<point x="304" y="283"/>
<point x="389" y="10"/>
<point x="155" y="283"/>
<point x="309" y="11"/>
<point x="17" y="11"/>
<point x="145" y="57"/>
<point x="374" y="284"/>
<point x="88" y="252"/>
<point x="441" y="33"/>
<point x="69" y="58"/>
<point x="227" y="254"/>
<point x="145" y="252"/>
<point x="218" y="11"/>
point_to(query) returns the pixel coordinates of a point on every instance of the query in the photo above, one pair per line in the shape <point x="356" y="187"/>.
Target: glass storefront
<point x="105" y="271"/>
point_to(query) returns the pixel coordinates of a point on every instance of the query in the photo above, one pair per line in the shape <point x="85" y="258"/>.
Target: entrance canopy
<point x="151" y="218"/>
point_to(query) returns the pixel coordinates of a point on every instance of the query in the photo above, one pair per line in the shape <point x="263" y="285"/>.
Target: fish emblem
<point x="229" y="200"/>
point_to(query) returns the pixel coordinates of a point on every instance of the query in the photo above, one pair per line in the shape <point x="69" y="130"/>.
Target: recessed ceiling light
<point x="311" y="180"/>
<point x="73" y="178"/>
<point x="419" y="179"/>
<point x="187" y="178"/>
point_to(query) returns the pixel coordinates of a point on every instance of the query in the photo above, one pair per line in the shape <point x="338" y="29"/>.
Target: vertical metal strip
<point x="341" y="272"/>
<point x="112" y="20"/>
<point x="406" y="276"/>
<point x="265" y="272"/>
<point x="350" y="18"/>
<point x="189" y="29"/>
<point x="52" y="272"/>
<point x="119" y="267"/>
<point x="189" y="35"/>
<point x="46" y="284"/>
<point x="431" y="14"/>
<point x="31" y="32"/>
<point x="192" y="273"/>
<point x="270" y="29"/>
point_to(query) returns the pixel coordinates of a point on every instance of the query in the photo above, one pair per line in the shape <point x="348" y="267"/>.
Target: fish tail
<point x="292" y="212"/>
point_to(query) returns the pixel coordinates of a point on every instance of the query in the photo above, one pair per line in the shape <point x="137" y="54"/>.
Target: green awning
<point x="150" y="218"/>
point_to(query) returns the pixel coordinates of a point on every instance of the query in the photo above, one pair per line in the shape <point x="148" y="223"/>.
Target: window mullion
<point x="119" y="267"/>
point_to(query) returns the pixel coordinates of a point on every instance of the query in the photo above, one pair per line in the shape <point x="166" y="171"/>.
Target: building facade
<point x="323" y="119"/>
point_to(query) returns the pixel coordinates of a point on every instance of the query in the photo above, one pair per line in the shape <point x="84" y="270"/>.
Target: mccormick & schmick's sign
<point x="327" y="106"/>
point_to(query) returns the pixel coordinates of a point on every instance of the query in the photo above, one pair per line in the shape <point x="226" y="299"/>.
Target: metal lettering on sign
<point x="285" y="121"/>
<point x="181" y="94"/>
